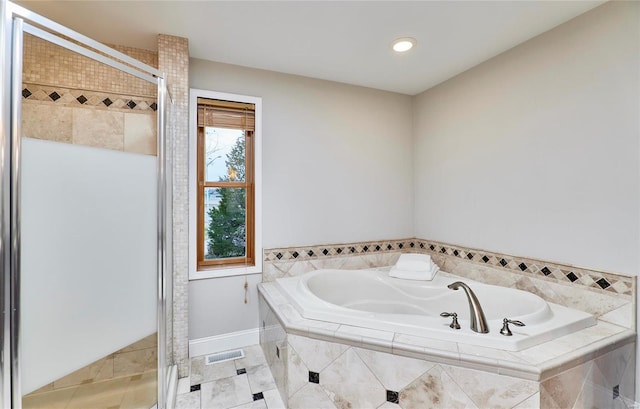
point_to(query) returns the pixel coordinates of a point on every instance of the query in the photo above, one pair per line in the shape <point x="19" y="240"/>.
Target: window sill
<point x="224" y="272"/>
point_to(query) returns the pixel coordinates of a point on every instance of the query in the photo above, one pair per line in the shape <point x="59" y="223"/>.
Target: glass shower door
<point x="89" y="223"/>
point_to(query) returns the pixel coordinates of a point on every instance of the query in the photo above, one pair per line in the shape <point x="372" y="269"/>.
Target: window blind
<point x="226" y="114"/>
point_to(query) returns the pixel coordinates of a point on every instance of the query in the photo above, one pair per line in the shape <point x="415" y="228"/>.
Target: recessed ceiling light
<point x="404" y="44"/>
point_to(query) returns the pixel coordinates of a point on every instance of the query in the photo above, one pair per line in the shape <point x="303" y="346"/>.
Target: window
<point x="225" y="185"/>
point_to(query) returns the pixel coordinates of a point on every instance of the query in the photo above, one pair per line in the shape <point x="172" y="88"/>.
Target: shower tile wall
<point x="72" y="99"/>
<point x="173" y="60"/>
<point x="48" y="64"/>
<point x="126" y="378"/>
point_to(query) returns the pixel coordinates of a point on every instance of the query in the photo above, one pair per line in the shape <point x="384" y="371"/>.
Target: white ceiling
<point x="344" y="41"/>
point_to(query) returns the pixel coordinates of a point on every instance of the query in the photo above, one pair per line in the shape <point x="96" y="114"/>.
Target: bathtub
<point x="372" y="299"/>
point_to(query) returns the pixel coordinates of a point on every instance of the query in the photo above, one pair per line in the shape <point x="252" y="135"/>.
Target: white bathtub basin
<point x="372" y="299"/>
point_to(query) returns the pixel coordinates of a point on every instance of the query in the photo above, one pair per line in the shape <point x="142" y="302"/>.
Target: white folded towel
<point x="414" y="267"/>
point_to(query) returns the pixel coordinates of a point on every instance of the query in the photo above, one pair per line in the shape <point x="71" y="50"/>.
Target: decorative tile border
<point x="95" y="99"/>
<point x="561" y="273"/>
<point x="337" y="250"/>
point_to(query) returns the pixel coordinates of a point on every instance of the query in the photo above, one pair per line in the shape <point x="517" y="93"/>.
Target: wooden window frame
<point x="253" y="254"/>
<point x="248" y="185"/>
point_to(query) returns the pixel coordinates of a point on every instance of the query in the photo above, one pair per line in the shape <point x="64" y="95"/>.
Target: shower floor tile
<point x="138" y="391"/>
<point x="244" y="383"/>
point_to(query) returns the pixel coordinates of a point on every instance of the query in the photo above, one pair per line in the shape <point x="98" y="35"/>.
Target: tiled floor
<point x="244" y="383"/>
<point x="127" y="392"/>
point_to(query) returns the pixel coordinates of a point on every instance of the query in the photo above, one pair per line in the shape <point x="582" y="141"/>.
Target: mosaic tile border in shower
<point x="562" y="273"/>
<point x="85" y="98"/>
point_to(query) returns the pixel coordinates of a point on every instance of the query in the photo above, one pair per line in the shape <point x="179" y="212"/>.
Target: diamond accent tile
<point x="54" y="96"/>
<point x="131" y="104"/>
<point x="82" y="99"/>
<point x="107" y="101"/>
<point x="314" y="377"/>
<point x="572" y="277"/>
<point x="258" y="396"/>
<point x="154" y="106"/>
<point x="603" y="283"/>
<point x="545" y="270"/>
<point x="26" y="93"/>
<point x="393" y="397"/>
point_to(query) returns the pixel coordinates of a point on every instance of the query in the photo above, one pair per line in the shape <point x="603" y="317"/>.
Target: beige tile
<point x="297" y="372"/>
<point x="226" y="392"/>
<point x="200" y="372"/>
<point x="99" y="370"/>
<point x="135" y="362"/>
<point x="105" y="394"/>
<point x="48" y="400"/>
<point x="435" y="389"/>
<point x="350" y="384"/>
<point x="253" y="356"/>
<point x="532" y="402"/>
<point x="273" y="399"/>
<point x="189" y="400"/>
<point x="98" y="128"/>
<point x="47" y="121"/>
<point x="563" y="389"/>
<point x="489" y="390"/>
<point x="311" y="396"/>
<point x="142" y="392"/>
<point x="316" y="354"/>
<point x="394" y="372"/>
<point x="47" y="388"/>
<point x="140" y="135"/>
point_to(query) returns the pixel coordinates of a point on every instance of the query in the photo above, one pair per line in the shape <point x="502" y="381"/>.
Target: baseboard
<point x="224" y="342"/>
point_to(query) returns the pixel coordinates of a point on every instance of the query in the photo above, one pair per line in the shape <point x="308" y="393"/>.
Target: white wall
<point x="88" y="256"/>
<point x="337" y="167"/>
<point x="535" y="152"/>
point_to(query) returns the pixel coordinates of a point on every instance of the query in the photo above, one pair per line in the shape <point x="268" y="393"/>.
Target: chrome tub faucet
<point x="478" y="320"/>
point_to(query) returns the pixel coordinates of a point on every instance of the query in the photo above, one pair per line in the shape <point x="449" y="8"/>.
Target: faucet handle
<point x="505" y="326"/>
<point x="454" y="324"/>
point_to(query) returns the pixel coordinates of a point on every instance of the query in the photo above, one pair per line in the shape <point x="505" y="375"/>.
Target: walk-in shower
<point x="84" y="209"/>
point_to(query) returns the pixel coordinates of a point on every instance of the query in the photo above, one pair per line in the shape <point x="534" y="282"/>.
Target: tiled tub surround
<point x="610" y="297"/>
<point x="578" y="370"/>
<point x="321" y="364"/>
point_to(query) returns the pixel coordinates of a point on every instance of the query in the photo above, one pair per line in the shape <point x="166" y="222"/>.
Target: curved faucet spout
<point x="478" y="320"/>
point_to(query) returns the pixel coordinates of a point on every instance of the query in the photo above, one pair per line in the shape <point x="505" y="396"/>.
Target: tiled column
<point x="173" y="60"/>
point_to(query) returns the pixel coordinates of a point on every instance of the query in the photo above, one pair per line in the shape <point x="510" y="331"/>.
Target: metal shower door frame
<point x="14" y="22"/>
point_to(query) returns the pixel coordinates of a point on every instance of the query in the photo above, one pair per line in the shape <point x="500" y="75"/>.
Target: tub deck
<point x="535" y="363"/>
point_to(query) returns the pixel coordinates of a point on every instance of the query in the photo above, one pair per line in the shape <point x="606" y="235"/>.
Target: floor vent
<point x="224" y="356"/>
